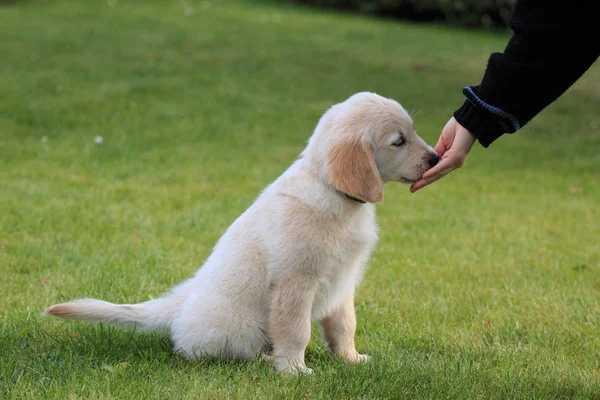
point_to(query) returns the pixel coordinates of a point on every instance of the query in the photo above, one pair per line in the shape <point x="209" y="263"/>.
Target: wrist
<point x="465" y="133"/>
<point x="480" y="125"/>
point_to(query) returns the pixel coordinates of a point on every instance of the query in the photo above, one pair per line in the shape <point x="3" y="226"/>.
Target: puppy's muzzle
<point x="433" y="160"/>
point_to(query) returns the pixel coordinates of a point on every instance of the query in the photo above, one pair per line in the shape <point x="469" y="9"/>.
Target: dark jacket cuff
<point x="485" y="122"/>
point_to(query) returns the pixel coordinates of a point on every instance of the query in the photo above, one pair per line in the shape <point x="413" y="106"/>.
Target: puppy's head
<point x="369" y="140"/>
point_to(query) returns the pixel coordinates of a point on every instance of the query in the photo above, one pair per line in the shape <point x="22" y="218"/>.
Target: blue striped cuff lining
<point x="468" y="91"/>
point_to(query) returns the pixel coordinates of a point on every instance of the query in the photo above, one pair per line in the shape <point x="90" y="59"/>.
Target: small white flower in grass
<point x="276" y="18"/>
<point x="44" y="139"/>
<point x="264" y="18"/>
<point x="593" y="124"/>
<point x="98" y="139"/>
<point x="111" y="3"/>
<point x="189" y="11"/>
<point x="205" y="5"/>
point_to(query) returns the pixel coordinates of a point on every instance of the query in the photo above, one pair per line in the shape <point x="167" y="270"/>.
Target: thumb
<point x="446" y="137"/>
<point x="440" y="148"/>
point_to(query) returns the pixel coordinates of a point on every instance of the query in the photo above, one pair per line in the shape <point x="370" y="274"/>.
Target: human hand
<point x="452" y="148"/>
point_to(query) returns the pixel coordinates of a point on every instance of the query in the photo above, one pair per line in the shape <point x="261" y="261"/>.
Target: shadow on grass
<point x="56" y="353"/>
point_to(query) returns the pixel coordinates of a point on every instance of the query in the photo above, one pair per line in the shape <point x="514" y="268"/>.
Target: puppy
<point x="297" y="253"/>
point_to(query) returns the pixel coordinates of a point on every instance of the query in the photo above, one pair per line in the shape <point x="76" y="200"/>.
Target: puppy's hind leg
<point x="290" y="319"/>
<point x="210" y="326"/>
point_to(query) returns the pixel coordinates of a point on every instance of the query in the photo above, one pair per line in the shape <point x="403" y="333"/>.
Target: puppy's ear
<point x="352" y="170"/>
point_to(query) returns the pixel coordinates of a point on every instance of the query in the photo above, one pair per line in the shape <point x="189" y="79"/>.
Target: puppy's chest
<point x="353" y="244"/>
<point x="343" y="247"/>
<point x="345" y="258"/>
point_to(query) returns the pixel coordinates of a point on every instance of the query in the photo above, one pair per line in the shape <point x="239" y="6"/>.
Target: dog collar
<point x="353" y="198"/>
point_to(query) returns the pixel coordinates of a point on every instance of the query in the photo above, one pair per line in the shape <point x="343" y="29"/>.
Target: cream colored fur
<point x="297" y="253"/>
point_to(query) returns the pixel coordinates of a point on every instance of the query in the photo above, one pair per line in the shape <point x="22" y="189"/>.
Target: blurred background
<point x="470" y="13"/>
<point x="133" y="133"/>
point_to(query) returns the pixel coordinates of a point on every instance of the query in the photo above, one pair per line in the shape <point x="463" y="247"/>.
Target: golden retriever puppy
<point x="297" y="253"/>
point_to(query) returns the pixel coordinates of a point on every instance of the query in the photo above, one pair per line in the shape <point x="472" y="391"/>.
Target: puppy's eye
<point x="399" y="142"/>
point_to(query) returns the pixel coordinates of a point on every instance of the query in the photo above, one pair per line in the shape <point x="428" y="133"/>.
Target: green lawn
<point x="484" y="285"/>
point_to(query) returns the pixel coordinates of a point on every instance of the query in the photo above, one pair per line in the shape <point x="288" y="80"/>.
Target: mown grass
<point x="484" y="285"/>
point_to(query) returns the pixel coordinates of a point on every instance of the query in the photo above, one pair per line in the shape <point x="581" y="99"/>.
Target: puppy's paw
<point x="285" y="367"/>
<point x="297" y="370"/>
<point x="356" y="358"/>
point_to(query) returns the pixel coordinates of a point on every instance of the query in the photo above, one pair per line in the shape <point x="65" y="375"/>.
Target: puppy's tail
<point x="154" y="314"/>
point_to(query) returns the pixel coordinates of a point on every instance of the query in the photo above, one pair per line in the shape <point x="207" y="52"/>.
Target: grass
<point x="484" y="285"/>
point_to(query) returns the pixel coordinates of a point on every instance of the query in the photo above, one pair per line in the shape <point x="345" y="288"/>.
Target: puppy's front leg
<point x="338" y="330"/>
<point x="290" y="323"/>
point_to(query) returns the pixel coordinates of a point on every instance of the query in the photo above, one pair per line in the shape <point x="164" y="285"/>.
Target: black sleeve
<point x="553" y="44"/>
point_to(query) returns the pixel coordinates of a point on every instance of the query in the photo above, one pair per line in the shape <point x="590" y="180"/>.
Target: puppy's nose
<point x="433" y="160"/>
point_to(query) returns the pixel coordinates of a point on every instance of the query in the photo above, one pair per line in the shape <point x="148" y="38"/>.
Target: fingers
<point x="442" y="169"/>
<point x="444" y="164"/>
<point x="453" y="147"/>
